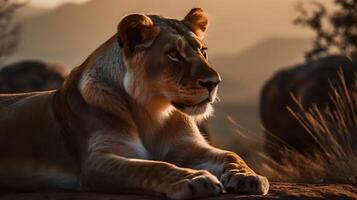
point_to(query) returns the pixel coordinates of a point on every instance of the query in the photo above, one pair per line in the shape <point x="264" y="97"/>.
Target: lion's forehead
<point x="177" y="27"/>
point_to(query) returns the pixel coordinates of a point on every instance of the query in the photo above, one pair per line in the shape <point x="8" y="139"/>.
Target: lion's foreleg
<point x="111" y="173"/>
<point x="231" y="170"/>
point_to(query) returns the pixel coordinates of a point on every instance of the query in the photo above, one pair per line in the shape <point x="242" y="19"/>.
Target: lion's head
<point x="167" y="62"/>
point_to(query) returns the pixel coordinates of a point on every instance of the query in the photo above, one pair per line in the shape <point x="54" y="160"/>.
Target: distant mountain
<point x="245" y="72"/>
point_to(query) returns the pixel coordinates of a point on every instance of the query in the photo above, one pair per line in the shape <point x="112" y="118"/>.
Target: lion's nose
<point x="209" y="83"/>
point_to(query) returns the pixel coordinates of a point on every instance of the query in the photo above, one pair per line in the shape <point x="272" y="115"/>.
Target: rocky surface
<point x="283" y="191"/>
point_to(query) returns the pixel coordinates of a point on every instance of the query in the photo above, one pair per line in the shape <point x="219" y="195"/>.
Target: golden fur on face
<point x="167" y="71"/>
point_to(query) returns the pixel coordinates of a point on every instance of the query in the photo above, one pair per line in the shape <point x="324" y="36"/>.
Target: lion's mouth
<point x="183" y="105"/>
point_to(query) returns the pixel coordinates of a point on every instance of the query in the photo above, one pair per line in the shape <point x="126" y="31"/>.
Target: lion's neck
<point x="158" y="110"/>
<point x="106" y="64"/>
<point x="103" y="85"/>
<point x="153" y="105"/>
<point x="101" y="82"/>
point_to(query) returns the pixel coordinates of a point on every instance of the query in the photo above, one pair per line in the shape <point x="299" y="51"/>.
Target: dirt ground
<point x="282" y="191"/>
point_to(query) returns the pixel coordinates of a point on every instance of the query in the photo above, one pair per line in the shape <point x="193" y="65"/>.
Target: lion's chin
<point x="203" y="108"/>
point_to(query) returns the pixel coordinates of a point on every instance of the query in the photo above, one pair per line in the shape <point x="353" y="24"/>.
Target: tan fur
<point x="126" y="119"/>
<point x="197" y="20"/>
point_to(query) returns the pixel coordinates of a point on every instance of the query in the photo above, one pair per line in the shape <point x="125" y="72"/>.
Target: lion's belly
<point x="33" y="154"/>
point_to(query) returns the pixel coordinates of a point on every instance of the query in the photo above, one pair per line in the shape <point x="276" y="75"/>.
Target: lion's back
<point x="30" y="140"/>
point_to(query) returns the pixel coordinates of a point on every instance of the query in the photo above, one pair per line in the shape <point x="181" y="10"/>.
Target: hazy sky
<point x="53" y="3"/>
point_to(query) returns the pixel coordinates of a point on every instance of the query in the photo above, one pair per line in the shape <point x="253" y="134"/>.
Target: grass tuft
<point x="334" y="129"/>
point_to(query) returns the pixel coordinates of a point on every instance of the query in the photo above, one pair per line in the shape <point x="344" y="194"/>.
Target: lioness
<point x="126" y="119"/>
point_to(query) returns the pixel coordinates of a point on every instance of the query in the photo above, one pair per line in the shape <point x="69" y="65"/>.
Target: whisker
<point x="218" y="99"/>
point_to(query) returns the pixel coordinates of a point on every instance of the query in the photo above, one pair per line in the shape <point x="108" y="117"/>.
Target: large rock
<point x="281" y="191"/>
<point x="30" y="76"/>
<point x="311" y="84"/>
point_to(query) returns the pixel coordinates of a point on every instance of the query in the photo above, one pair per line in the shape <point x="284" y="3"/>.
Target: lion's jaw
<point x="159" y="99"/>
<point x="161" y="102"/>
<point x="200" y="107"/>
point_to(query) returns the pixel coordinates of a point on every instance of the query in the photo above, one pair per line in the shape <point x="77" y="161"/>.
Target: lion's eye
<point x="174" y="56"/>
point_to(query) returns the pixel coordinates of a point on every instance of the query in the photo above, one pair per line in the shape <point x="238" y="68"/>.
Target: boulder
<point x="30" y="76"/>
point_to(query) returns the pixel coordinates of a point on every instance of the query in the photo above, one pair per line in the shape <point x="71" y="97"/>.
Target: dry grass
<point x="334" y="129"/>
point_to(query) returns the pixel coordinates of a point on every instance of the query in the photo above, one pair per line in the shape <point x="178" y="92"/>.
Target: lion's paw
<point x="241" y="183"/>
<point x="200" y="184"/>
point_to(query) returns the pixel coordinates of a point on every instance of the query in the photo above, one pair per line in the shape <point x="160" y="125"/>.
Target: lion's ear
<point x="135" y="31"/>
<point x="197" y="21"/>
